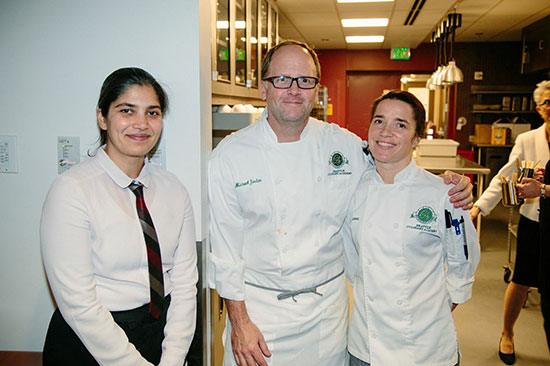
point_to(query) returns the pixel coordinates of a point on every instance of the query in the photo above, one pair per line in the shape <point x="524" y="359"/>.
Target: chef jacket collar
<point x="117" y="175"/>
<point x="270" y="134"/>
<point x="400" y="177"/>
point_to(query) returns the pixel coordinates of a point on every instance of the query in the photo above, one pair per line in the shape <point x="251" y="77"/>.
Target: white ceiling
<point x="318" y="22"/>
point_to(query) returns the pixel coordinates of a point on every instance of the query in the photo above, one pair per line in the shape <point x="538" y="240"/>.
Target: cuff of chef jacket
<point x="227" y="278"/>
<point x="459" y="289"/>
<point x="483" y="208"/>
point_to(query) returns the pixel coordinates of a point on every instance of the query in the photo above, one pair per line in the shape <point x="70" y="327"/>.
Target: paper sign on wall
<point x="68" y="153"/>
<point x="8" y="154"/>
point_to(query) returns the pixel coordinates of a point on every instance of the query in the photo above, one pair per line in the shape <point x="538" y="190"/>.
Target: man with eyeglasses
<point x="279" y="192"/>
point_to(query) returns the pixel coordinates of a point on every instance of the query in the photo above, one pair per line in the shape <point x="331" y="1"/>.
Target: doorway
<point x="363" y="89"/>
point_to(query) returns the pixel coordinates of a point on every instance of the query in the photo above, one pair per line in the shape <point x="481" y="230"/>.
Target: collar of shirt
<point x="270" y="134"/>
<point x="117" y="175"/>
<point x="400" y="177"/>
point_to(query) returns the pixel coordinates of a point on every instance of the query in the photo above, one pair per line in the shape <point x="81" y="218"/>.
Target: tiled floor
<point x="479" y="322"/>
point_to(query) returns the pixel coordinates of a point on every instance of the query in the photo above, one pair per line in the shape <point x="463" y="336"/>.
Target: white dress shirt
<point x="95" y="256"/>
<point x="411" y="269"/>
<point x="532" y="146"/>
<point x="276" y="214"/>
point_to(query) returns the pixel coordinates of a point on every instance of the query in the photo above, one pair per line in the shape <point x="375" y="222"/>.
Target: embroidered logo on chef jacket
<point x="426" y="219"/>
<point x="248" y="182"/>
<point x="338" y="161"/>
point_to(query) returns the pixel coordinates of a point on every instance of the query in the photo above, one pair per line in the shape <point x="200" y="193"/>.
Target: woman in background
<point x="530" y="146"/>
<point x="118" y="242"/>
<point x="417" y="252"/>
<point x="539" y="186"/>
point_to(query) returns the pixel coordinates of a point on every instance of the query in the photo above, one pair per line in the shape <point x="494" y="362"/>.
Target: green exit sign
<point x="400" y="53"/>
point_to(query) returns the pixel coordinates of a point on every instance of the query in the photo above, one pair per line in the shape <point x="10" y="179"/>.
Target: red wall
<point x="333" y="76"/>
<point x="335" y="65"/>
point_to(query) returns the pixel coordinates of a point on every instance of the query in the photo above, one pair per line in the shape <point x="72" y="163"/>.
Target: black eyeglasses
<point x="285" y="82"/>
<point x="546" y="103"/>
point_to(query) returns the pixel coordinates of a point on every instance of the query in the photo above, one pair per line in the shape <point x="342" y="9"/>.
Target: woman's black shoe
<point x="507" y="358"/>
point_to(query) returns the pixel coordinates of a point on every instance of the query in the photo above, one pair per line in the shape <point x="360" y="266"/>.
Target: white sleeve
<point x="462" y="253"/>
<point x="226" y="270"/>
<point x="492" y="195"/>
<point x="65" y="238"/>
<point x="351" y="256"/>
<point x="181" y="317"/>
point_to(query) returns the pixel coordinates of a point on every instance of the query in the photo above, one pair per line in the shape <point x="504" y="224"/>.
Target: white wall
<point x="55" y="55"/>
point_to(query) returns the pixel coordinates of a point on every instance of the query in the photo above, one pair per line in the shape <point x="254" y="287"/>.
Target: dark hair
<point x="269" y="56"/>
<point x="118" y="82"/>
<point x="418" y="109"/>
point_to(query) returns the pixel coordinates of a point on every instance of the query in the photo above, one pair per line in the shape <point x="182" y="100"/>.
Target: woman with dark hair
<point x="118" y="242"/>
<point x="417" y="253"/>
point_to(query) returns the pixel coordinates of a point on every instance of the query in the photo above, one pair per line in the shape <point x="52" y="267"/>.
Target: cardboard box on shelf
<point x="483" y="134"/>
<point x="500" y="136"/>
<point x="515" y="129"/>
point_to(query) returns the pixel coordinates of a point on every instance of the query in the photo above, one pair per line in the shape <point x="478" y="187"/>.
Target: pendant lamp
<point x="439" y="78"/>
<point x="452" y="73"/>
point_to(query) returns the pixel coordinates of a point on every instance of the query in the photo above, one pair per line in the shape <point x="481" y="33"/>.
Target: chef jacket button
<point x="317" y="213"/>
<point x="397" y="264"/>
<point x="285" y="250"/>
<point x="399" y="302"/>
<point x="395" y="225"/>
<point x="278" y="180"/>
<point x="318" y="179"/>
<point x="369" y="262"/>
<point x="373" y="335"/>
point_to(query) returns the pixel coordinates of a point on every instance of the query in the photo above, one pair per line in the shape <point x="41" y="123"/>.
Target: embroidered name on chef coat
<point x="426" y="219"/>
<point x="338" y="162"/>
<point x="248" y="182"/>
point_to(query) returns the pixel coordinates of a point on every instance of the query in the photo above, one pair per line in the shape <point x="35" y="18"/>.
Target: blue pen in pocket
<point x="459" y="228"/>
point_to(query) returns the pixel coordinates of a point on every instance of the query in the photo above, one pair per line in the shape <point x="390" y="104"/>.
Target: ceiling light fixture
<point x="453" y="74"/>
<point x="365" y="22"/>
<point x="364" y="39"/>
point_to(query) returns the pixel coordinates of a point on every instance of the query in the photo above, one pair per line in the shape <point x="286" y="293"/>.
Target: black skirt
<point x="526" y="268"/>
<point x="63" y="347"/>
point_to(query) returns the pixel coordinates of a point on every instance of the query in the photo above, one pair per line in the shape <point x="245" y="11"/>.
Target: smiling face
<point x="133" y="125"/>
<point x="392" y="134"/>
<point x="293" y="105"/>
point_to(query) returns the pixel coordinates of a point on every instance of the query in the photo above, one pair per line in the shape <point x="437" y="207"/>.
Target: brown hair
<point x="272" y="50"/>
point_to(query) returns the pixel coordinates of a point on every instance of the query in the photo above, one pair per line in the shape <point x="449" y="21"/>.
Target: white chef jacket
<point x="95" y="256"/>
<point x="276" y="213"/>
<point x="532" y="146"/>
<point x="412" y="268"/>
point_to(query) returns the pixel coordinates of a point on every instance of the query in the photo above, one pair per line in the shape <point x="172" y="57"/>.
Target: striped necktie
<point x="156" y="277"/>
